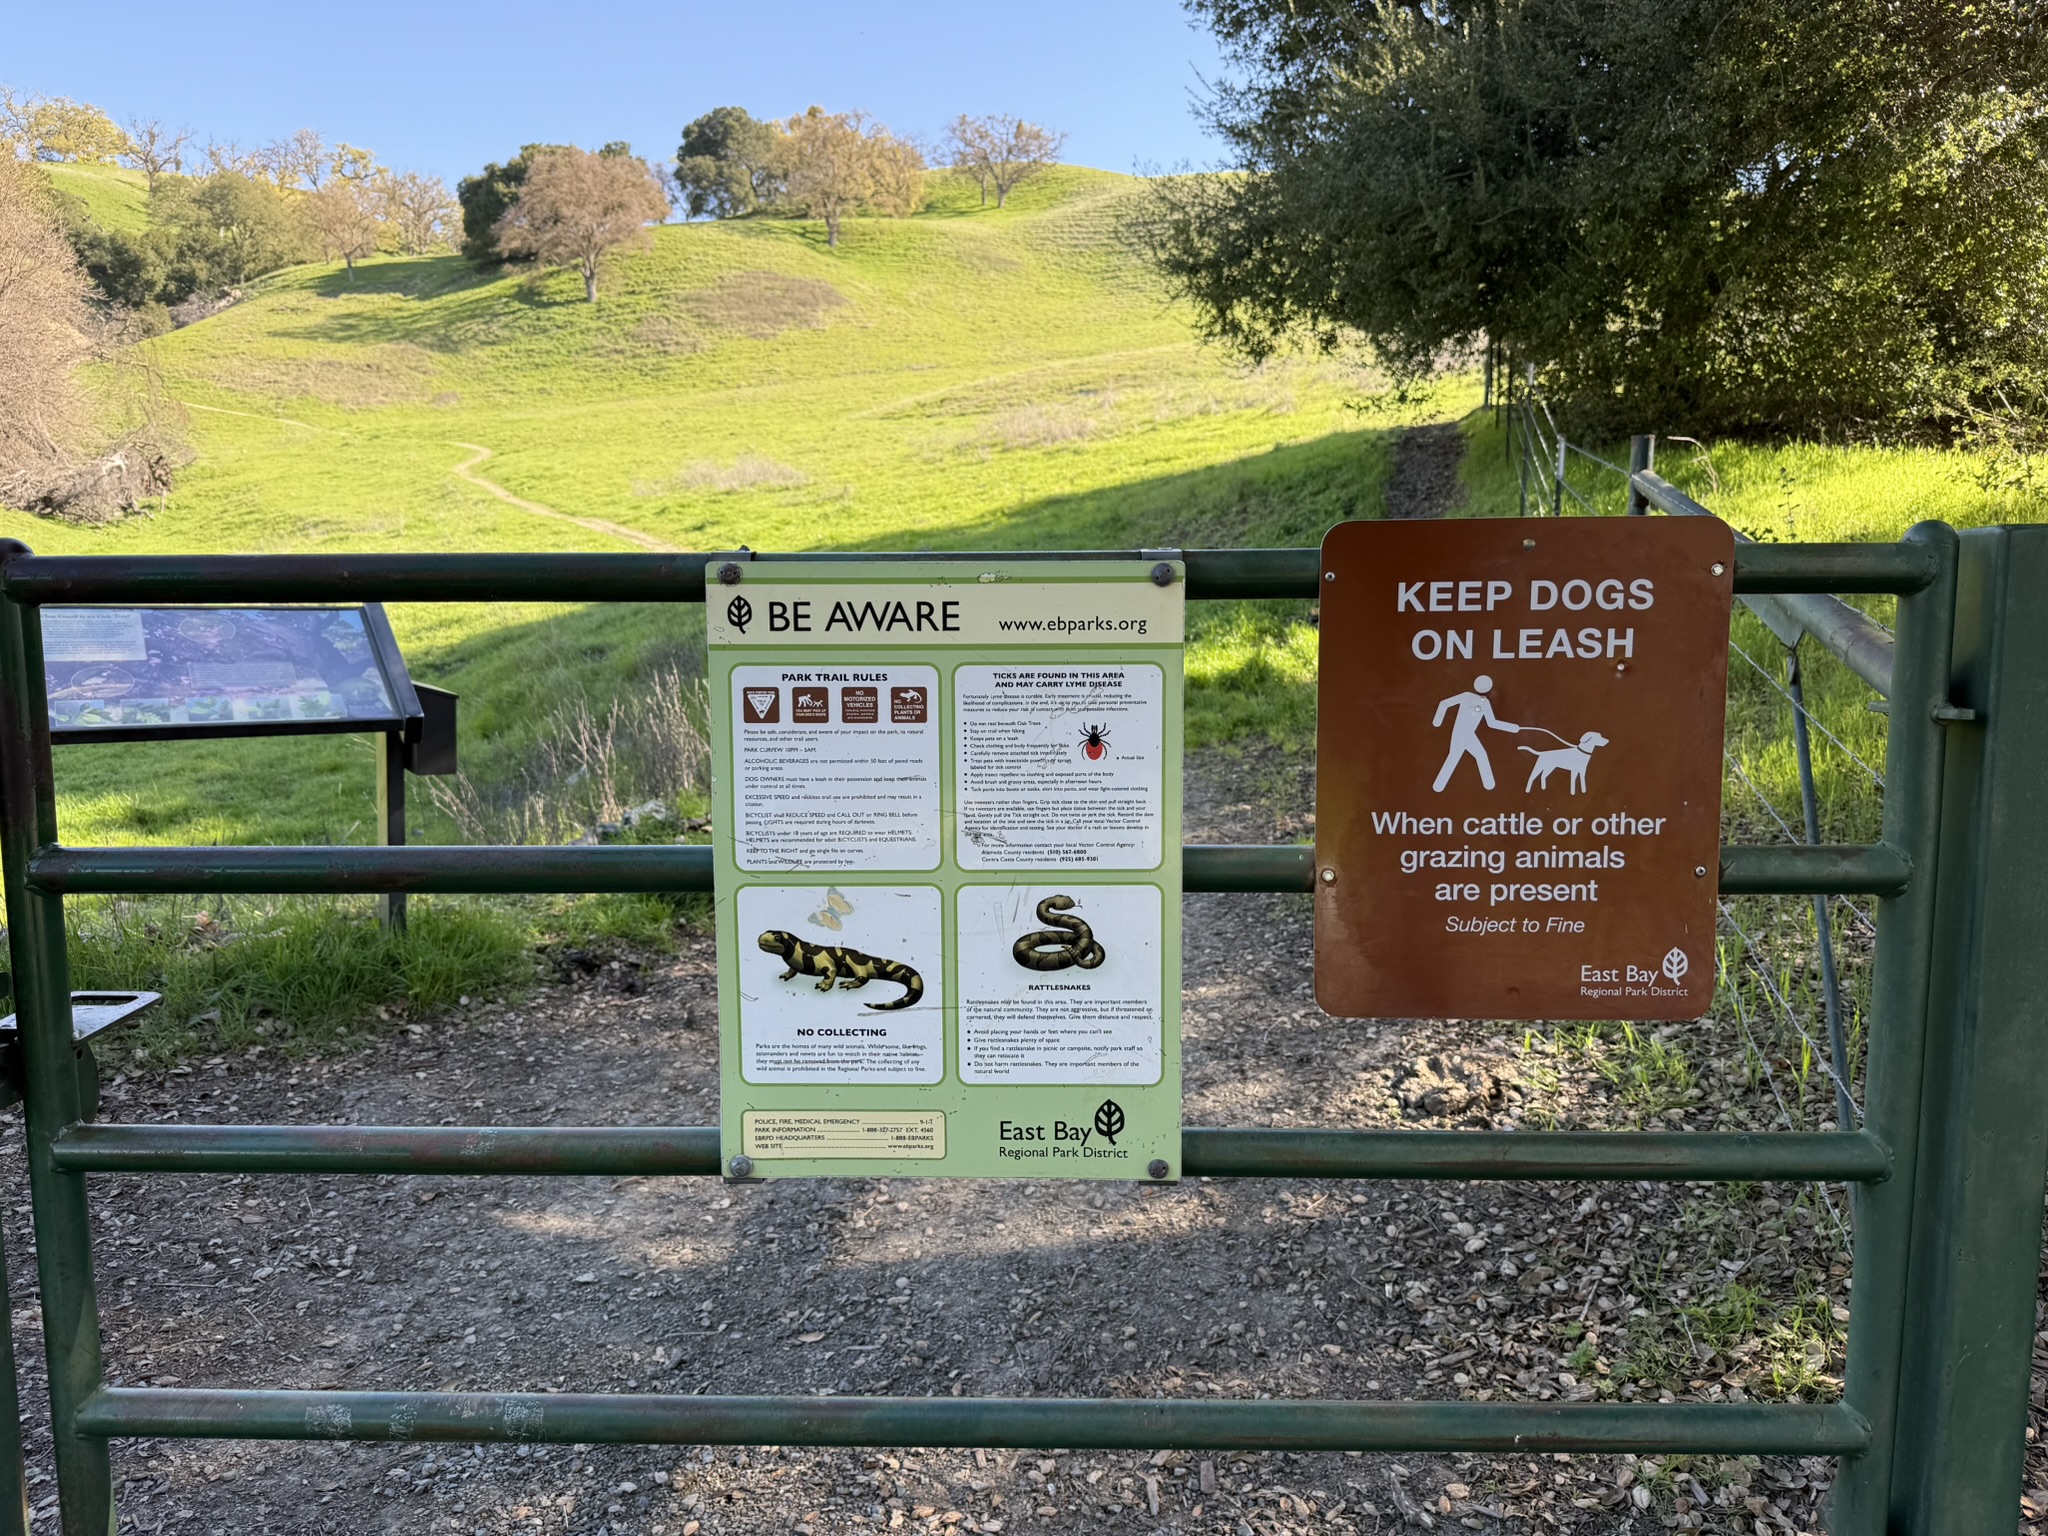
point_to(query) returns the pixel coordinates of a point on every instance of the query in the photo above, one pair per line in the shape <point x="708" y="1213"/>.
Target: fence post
<point x="1907" y="936"/>
<point x="1642" y="457"/>
<point x="1557" y="492"/>
<point x="51" y="1098"/>
<point x="391" y="820"/>
<point x="1959" y="1444"/>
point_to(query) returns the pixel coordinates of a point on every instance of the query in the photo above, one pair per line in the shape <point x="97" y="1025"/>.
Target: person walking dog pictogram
<point x="1474" y="709"/>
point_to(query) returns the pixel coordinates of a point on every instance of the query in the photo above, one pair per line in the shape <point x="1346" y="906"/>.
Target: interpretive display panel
<point x="946" y="825"/>
<point x="1518" y="806"/>
<point x="114" y="673"/>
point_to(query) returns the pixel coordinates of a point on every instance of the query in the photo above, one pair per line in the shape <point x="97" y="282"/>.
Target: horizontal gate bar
<point x="1725" y="1429"/>
<point x="1226" y="1152"/>
<point x="679" y="578"/>
<point x="1873" y="870"/>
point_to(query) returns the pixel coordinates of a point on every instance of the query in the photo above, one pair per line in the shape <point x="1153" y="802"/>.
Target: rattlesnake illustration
<point x="1074" y="939"/>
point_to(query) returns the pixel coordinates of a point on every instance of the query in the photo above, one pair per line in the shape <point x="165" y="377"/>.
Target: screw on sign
<point x="1519" y="752"/>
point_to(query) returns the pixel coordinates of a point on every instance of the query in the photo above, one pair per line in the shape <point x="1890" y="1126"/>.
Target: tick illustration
<point x="1094" y="743"/>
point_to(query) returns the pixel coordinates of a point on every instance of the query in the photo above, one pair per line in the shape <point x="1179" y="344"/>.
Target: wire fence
<point x="1787" y="998"/>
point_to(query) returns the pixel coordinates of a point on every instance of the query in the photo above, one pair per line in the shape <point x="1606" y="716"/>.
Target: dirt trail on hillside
<point x="1224" y="1289"/>
<point x="221" y="410"/>
<point x="466" y="470"/>
<point x="1424" y="481"/>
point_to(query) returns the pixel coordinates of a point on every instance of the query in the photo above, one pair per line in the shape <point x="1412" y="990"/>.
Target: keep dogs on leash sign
<point x="946" y="835"/>
<point x="1518" y="807"/>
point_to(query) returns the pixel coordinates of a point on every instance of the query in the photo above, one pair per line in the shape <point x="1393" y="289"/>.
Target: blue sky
<point x="443" y="87"/>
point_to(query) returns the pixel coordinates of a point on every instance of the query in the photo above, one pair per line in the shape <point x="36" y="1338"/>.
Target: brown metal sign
<point x="1518" y="800"/>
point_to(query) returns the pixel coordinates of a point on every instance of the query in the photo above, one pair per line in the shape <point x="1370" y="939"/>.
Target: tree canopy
<point x="1710" y="213"/>
<point x="730" y="164"/>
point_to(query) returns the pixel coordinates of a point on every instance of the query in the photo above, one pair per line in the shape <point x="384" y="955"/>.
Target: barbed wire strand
<point x="1771" y="1081"/>
<point x="1764" y="672"/>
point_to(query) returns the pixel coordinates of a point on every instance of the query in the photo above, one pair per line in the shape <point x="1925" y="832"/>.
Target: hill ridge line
<point x="478" y="453"/>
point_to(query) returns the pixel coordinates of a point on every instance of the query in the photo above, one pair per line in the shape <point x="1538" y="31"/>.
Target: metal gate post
<point x="51" y="1096"/>
<point x="1900" y="985"/>
<point x="1959" y="1446"/>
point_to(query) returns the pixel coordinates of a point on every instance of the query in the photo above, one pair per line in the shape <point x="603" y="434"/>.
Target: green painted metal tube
<point x="1704" y="1157"/>
<point x="1875" y="869"/>
<point x="1899" y="568"/>
<point x="1791" y="870"/>
<point x="1248" y="867"/>
<point x="51" y="1098"/>
<point x="1909" y="937"/>
<point x="679" y="578"/>
<point x="1214" y="1153"/>
<point x="1797" y="1429"/>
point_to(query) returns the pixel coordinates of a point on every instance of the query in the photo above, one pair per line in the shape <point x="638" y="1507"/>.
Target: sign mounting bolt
<point x="1157" y="1168"/>
<point x="1329" y="877"/>
<point x="1162" y="575"/>
<point x="729" y="573"/>
<point x="1329" y="575"/>
<point x="1699" y="871"/>
<point x="741" y="1166"/>
<point x="1718" y="568"/>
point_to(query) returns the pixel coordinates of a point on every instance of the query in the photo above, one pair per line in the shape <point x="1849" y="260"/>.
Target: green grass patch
<point x="291" y="974"/>
<point x="115" y="197"/>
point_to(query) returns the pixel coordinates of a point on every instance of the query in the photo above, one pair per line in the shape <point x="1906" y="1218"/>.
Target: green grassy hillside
<point x="117" y="198"/>
<point x="966" y="378"/>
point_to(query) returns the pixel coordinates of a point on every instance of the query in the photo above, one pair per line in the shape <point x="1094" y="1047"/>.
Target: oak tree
<point x="154" y="149"/>
<point x="1000" y="152"/>
<point x="344" y="218"/>
<point x="419" y="209"/>
<point x="730" y="164"/>
<point x="842" y="162"/>
<point x="1724" y="214"/>
<point x="574" y="208"/>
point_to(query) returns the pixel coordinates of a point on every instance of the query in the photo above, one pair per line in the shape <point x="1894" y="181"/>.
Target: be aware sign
<point x="1519" y="767"/>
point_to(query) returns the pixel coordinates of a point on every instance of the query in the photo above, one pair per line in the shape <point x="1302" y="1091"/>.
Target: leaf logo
<point x="1676" y="965"/>
<point x="739" y="613"/>
<point x="1109" y="1121"/>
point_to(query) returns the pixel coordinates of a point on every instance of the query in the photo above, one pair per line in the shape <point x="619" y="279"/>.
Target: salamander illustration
<point x="1065" y="941"/>
<point x="849" y="967"/>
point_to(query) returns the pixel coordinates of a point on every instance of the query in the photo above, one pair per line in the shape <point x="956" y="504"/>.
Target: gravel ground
<point x="1227" y="1289"/>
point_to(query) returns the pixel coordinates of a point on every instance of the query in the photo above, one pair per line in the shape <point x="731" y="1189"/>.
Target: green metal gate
<point x="1951" y="1158"/>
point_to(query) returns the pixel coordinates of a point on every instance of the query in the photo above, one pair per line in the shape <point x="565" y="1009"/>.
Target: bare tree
<point x="842" y="162"/>
<point x="154" y="149"/>
<point x="225" y="156"/>
<point x="45" y="331"/>
<point x="1001" y="152"/>
<point x="575" y="208"/>
<point x="343" y="217"/>
<point x="304" y="158"/>
<point x="420" y="209"/>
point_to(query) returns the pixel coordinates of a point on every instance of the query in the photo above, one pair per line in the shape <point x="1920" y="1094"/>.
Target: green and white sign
<point x="946" y="818"/>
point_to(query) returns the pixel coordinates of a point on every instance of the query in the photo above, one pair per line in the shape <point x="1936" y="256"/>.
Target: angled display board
<point x="135" y="674"/>
<point x="1518" y="804"/>
<point x="946" y="819"/>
